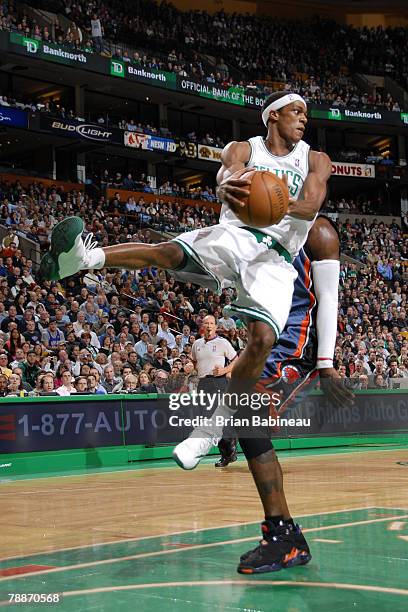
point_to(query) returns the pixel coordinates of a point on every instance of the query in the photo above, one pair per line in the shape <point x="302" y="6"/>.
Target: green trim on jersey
<point x="271" y="244"/>
<point x="189" y="251"/>
<point x="254" y="313"/>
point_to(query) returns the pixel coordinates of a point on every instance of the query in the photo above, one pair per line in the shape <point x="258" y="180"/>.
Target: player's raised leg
<point x="69" y="253"/>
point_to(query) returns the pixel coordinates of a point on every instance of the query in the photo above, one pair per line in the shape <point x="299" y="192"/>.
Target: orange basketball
<point x="267" y="202"/>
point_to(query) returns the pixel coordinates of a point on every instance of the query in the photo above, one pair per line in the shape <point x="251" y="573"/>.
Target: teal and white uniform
<point x="258" y="262"/>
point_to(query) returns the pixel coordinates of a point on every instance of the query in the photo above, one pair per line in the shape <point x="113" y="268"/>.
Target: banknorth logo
<point x="117" y="68"/>
<point x="334" y="113"/>
<point x="31" y="45"/>
<point x="85" y="130"/>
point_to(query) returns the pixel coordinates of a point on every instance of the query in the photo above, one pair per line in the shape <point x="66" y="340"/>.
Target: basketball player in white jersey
<point x="257" y="262"/>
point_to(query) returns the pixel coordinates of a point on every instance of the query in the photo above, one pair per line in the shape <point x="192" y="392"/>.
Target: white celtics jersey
<point x="291" y="233"/>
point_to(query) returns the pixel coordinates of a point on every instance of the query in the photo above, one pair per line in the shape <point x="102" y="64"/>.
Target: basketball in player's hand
<point x="267" y="202"/>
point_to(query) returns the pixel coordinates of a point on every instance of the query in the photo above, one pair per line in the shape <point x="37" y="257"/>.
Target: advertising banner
<point x="209" y="153"/>
<point x="50" y="51"/>
<point x="147" y="142"/>
<point x="353" y="170"/>
<point x="130" y="71"/>
<point x="13" y="117"/>
<point x="158" y="78"/>
<point x="347" y="115"/>
<point x="43" y="424"/>
<point x="186" y="149"/>
<point x="233" y="95"/>
<point x="54" y="425"/>
<point x="78" y="129"/>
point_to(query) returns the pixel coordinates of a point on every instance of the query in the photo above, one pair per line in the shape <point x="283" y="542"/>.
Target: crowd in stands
<point x="33" y="211"/>
<point x="372" y="345"/>
<point x="315" y="57"/>
<point x="100" y="332"/>
<point x="111" y="330"/>
<point x="360" y="204"/>
<point x="138" y="181"/>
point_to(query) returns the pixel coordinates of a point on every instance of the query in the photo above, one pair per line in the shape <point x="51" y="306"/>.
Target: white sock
<point x="94" y="259"/>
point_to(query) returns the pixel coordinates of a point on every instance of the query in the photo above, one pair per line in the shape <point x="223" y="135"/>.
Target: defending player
<point x="305" y="351"/>
<point x="306" y="345"/>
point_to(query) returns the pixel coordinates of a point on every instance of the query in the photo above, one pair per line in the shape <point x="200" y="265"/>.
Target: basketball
<point x="267" y="202"/>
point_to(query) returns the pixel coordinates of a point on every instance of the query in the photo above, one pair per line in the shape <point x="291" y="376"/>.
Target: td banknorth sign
<point x="50" y="51"/>
<point x="131" y="71"/>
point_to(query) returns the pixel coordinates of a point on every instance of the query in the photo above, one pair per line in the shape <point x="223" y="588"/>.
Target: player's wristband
<point x="324" y="362"/>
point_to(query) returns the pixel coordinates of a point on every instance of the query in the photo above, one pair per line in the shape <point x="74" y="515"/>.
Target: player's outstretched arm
<point x="314" y="188"/>
<point x="231" y="179"/>
<point x="324" y="248"/>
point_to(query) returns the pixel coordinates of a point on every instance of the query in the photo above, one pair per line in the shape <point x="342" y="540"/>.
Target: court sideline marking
<point x="322" y="585"/>
<point x="190" y="548"/>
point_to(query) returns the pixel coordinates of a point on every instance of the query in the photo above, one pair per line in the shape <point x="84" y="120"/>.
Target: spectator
<point x="141" y="347"/>
<point x="393" y="370"/>
<point x="15" y="386"/>
<point x="30" y="369"/>
<point x="4" y="369"/>
<point x="108" y="382"/>
<point x="3" y="385"/>
<point x="160" y="362"/>
<point x="380" y="382"/>
<point x="97" y="33"/>
<point x="226" y="322"/>
<point x="52" y="337"/>
<point x="167" y="335"/>
<point x="160" y="381"/>
<point x="67" y="388"/>
<point x="46" y="384"/>
<point x="81" y="385"/>
<point x="130" y="384"/>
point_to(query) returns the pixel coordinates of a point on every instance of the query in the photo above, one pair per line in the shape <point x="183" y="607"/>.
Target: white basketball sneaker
<point x="68" y="252"/>
<point x="190" y="451"/>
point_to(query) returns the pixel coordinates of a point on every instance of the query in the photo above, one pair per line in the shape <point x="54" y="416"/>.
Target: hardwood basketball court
<point x="160" y="538"/>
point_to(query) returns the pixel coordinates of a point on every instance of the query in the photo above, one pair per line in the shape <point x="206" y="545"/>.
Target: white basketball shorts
<point x="257" y="266"/>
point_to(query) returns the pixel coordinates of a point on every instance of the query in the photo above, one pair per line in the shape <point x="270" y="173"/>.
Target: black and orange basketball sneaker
<point x="228" y="451"/>
<point x="282" y="546"/>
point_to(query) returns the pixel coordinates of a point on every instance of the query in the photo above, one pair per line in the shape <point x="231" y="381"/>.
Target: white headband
<point x="280" y="103"/>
